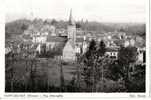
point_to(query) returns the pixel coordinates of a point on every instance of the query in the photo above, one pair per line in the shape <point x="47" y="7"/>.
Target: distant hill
<point x="132" y="28"/>
<point x="17" y="27"/>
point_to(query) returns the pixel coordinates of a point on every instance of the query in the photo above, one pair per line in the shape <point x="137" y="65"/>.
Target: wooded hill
<point x="18" y="26"/>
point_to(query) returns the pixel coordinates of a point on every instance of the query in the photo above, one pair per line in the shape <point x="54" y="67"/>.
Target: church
<point x="69" y="52"/>
<point x="72" y="46"/>
<point x="67" y="46"/>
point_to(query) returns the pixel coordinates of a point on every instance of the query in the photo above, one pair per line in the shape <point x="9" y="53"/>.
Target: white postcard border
<point x="71" y="95"/>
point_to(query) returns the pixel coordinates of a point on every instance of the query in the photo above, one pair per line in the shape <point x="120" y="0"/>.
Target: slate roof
<point x="59" y="48"/>
<point x="27" y="37"/>
<point x="27" y="43"/>
<point x="119" y="42"/>
<point x="111" y="49"/>
<point x="61" y="42"/>
<point x="56" y="39"/>
<point x="81" y="39"/>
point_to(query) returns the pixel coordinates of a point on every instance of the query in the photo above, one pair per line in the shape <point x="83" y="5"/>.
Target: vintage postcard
<point x="76" y="48"/>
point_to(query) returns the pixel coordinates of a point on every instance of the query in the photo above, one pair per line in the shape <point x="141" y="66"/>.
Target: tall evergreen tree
<point x="94" y="60"/>
<point x="102" y="49"/>
<point x="89" y="68"/>
<point x="127" y="56"/>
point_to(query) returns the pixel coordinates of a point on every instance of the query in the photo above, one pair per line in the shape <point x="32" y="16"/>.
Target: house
<point x="49" y="29"/>
<point x="26" y="37"/>
<point x="8" y="46"/>
<point x="78" y="49"/>
<point x="61" y="32"/>
<point x="122" y="35"/>
<point x="39" y="39"/>
<point x="81" y="44"/>
<point x="54" y="41"/>
<point x="79" y="41"/>
<point x="141" y="55"/>
<point x="39" y="33"/>
<point x="112" y="52"/>
<point x="7" y="50"/>
<point x="38" y="49"/>
<point x="69" y="52"/>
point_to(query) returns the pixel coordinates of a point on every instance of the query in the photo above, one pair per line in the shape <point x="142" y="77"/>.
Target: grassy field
<point x="45" y="71"/>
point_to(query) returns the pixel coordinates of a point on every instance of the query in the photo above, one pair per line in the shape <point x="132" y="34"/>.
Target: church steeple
<point x="71" y="20"/>
<point x="71" y="28"/>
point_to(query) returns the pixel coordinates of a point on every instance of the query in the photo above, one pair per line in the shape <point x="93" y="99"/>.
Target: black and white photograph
<point x="75" y="46"/>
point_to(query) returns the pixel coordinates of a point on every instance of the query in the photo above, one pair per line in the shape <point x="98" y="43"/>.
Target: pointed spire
<point x="71" y="20"/>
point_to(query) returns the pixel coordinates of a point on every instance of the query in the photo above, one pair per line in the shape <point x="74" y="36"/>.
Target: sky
<point x="92" y="10"/>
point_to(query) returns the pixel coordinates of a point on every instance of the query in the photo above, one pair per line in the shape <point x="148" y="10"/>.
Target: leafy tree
<point x="53" y="22"/>
<point x="101" y="62"/>
<point x="102" y="49"/>
<point x="114" y="71"/>
<point x="16" y="27"/>
<point x="138" y="79"/>
<point x="89" y="61"/>
<point x="24" y="27"/>
<point x="126" y="56"/>
<point x="94" y="64"/>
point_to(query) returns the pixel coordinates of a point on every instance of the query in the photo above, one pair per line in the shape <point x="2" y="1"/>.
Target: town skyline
<point x="124" y="11"/>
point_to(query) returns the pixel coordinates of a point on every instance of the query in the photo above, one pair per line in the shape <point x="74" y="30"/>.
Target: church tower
<point x="71" y="28"/>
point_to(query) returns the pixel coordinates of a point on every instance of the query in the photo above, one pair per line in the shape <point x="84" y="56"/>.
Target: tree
<point x="24" y="27"/>
<point x="53" y="22"/>
<point x="138" y="79"/>
<point x="114" y="71"/>
<point x="78" y="25"/>
<point x="127" y="56"/>
<point x="101" y="61"/>
<point x="102" y="49"/>
<point x="95" y="62"/>
<point x="89" y="68"/>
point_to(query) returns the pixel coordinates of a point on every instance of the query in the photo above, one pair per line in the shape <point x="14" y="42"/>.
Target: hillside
<point x="17" y="27"/>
